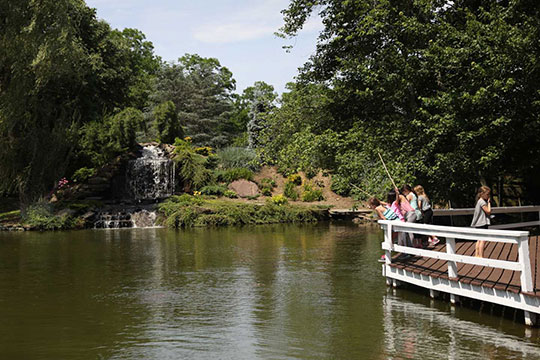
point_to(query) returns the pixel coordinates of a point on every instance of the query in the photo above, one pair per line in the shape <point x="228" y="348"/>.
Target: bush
<point x="238" y="157"/>
<point x="123" y="128"/>
<point x="279" y="200"/>
<point x="83" y="174"/>
<point x="295" y="179"/>
<point x="266" y="185"/>
<point x="191" y="167"/>
<point x="212" y="161"/>
<point x="218" y="190"/>
<point x="40" y="216"/>
<point x="230" y="194"/>
<point x="290" y="191"/>
<point x="203" y="150"/>
<point x="230" y="175"/>
<point x="266" y="191"/>
<point x="310" y="194"/>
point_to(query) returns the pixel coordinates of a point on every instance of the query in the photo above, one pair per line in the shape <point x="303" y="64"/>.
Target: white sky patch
<point x="230" y="33"/>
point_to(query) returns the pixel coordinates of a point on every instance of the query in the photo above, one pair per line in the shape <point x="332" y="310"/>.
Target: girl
<point x="412" y="197"/>
<point x="400" y="205"/>
<point x="427" y="212"/>
<point x="384" y="213"/>
<point x="482" y="211"/>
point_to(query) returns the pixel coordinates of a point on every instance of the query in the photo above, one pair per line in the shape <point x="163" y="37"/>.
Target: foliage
<point x="296" y="179"/>
<point x="311" y="194"/>
<point x="123" y="129"/>
<point x="191" y="167"/>
<point x="10" y="215"/>
<point x="230" y="175"/>
<point x="290" y="191"/>
<point x="203" y="150"/>
<point x="236" y="157"/>
<point x="278" y="200"/>
<point x="41" y="217"/>
<point x="230" y="194"/>
<point x="266" y="185"/>
<point x="218" y="212"/>
<point x="217" y="190"/>
<point x="201" y="89"/>
<point x="166" y="122"/>
<point x="443" y="90"/>
<point x="261" y="104"/>
<point x="60" y="68"/>
<point x="83" y="174"/>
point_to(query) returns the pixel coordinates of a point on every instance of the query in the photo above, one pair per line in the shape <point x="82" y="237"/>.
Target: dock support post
<point x="395" y="283"/>
<point x="454" y="299"/>
<point x="530" y="318"/>
<point x="388" y="253"/>
<point x="433" y="293"/>
<point x="526" y="275"/>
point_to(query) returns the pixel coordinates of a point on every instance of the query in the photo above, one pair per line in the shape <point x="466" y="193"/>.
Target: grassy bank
<point x="189" y="211"/>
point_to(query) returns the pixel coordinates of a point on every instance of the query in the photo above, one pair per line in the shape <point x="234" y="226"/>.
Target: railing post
<point x="389" y="244"/>
<point x="526" y="274"/>
<point x="452" y="266"/>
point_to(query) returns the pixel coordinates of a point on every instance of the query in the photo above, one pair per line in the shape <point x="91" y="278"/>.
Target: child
<point x="384" y="212"/>
<point x="427" y="212"/>
<point x="412" y="198"/>
<point x="402" y="208"/>
<point x="482" y="211"/>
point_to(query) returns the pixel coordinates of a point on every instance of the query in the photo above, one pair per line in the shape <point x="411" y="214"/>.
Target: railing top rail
<point x="509" y="236"/>
<point x="494" y="210"/>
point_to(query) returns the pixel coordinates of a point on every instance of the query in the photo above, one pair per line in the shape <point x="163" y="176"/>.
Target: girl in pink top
<point x="405" y="212"/>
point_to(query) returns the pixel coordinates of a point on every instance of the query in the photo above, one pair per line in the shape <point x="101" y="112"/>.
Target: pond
<point x="264" y="292"/>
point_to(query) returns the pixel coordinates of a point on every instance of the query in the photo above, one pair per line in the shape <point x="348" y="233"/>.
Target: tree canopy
<point x="446" y="90"/>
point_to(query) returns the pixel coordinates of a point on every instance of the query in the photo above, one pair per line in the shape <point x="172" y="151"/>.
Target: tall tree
<point x="444" y="87"/>
<point x="201" y="89"/>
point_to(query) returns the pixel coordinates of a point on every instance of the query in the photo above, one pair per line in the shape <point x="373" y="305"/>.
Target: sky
<point x="239" y="33"/>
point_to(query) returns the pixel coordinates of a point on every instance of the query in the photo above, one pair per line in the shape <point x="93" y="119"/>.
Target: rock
<point x="244" y="188"/>
<point x="53" y="198"/>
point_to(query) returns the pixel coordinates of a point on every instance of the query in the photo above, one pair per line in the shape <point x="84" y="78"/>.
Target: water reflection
<point x="268" y="292"/>
<point x="416" y="331"/>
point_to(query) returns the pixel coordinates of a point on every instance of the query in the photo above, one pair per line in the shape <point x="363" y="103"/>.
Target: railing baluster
<point x="452" y="266"/>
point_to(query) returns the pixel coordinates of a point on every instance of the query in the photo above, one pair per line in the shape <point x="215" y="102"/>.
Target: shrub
<point x="310" y="194"/>
<point x="212" y="161"/>
<point x="290" y="191"/>
<point x="123" y="128"/>
<point x="238" y="157"/>
<point x="266" y="185"/>
<point x="218" y="190"/>
<point x="203" y="150"/>
<point x="266" y="191"/>
<point x="230" y="175"/>
<point x="83" y="174"/>
<point x="40" y="216"/>
<point x="191" y="166"/>
<point x="279" y="200"/>
<point x="295" y="179"/>
<point x="230" y="194"/>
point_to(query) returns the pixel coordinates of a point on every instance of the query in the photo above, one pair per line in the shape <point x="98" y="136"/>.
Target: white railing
<point x="496" y="210"/>
<point x="520" y="238"/>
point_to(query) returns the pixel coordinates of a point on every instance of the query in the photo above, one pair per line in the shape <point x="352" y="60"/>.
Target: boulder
<point x="244" y="188"/>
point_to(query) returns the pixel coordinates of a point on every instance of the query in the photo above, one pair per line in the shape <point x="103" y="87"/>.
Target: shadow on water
<point x="264" y="292"/>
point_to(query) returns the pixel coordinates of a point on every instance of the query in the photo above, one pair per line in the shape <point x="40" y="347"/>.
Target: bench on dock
<point x="507" y="275"/>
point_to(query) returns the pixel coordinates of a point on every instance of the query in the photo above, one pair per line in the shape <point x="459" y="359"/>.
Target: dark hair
<point x="391" y="197"/>
<point x="407" y="188"/>
<point x="374" y="202"/>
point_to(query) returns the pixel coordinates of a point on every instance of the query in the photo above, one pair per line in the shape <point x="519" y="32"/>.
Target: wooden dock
<point x="508" y="275"/>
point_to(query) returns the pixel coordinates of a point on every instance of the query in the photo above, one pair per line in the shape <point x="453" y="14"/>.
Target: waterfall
<point x="151" y="176"/>
<point x="127" y="218"/>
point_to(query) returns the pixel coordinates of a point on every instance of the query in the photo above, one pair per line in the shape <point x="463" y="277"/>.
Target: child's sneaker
<point x="434" y="241"/>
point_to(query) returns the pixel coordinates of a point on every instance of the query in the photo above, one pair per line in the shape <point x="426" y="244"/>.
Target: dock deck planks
<point x="479" y="275"/>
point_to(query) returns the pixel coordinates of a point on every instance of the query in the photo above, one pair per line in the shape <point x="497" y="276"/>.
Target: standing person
<point x="412" y="197"/>
<point x="482" y="211"/>
<point x="401" y="206"/>
<point x="424" y="205"/>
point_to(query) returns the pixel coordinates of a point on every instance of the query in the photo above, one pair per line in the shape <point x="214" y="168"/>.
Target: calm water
<point x="267" y="292"/>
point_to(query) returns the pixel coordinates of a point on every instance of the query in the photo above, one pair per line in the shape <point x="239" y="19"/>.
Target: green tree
<point x="444" y="89"/>
<point x="166" y="122"/>
<point x="201" y="89"/>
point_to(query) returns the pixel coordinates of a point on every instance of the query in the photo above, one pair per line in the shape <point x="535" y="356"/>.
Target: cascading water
<point x="151" y="176"/>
